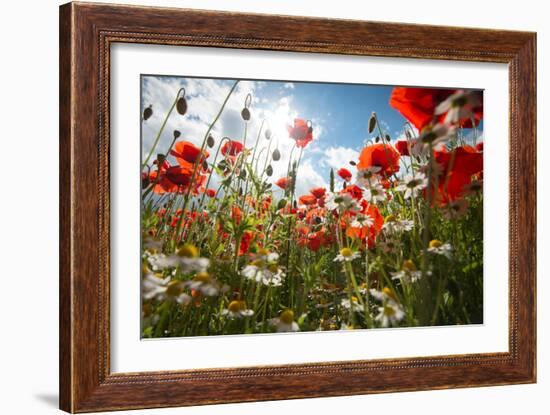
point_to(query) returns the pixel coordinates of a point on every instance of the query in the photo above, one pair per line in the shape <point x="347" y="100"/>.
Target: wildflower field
<point x="243" y="233"/>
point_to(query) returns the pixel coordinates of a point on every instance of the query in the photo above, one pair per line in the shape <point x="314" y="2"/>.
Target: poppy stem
<point x="161" y="129"/>
<point x="199" y="159"/>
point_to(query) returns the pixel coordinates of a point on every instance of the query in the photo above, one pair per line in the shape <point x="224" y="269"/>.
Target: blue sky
<point x="339" y="112"/>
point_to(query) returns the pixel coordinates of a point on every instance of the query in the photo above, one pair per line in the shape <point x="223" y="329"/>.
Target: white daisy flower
<point x="265" y="269"/>
<point x="390" y="314"/>
<point x="361" y="220"/>
<point x="285" y="322"/>
<point x="342" y="202"/>
<point x="385" y="295"/>
<point x="366" y="177"/>
<point x="437" y="135"/>
<point x="159" y="262"/>
<point x="187" y="258"/>
<point x="375" y="193"/>
<point x="346" y="255"/>
<point x="412" y="184"/>
<point x="459" y="106"/>
<point x="158" y="288"/>
<point x="392" y="225"/>
<point x="352" y="305"/>
<point x="205" y="284"/>
<point x="439" y="248"/>
<point x="408" y="272"/>
<point x="237" y="309"/>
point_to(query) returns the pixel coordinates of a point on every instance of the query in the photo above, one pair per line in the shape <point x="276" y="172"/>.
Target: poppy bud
<point x="242" y="174"/>
<point x="176" y="133"/>
<point x="353" y="163"/>
<point x="240" y="191"/>
<point x="309" y="126"/>
<point x="377" y="139"/>
<point x="345" y="185"/>
<point x="388" y="138"/>
<point x="267" y="134"/>
<point x="205" y="165"/>
<point x="276" y="155"/>
<point x="181" y="106"/>
<point x="295" y="205"/>
<point x="269" y="171"/>
<point x="160" y="159"/>
<point x="210" y="141"/>
<point x="245" y="113"/>
<point x="282" y="203"/>
<point x="147" y="113"/>
<point x="372" y="122"/>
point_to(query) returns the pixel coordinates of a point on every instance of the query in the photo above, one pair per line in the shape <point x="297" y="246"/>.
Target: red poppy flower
<point x="187" y="154"/>
<point x="418" y="104"/>
<point x="367" y="232"/>
<point x="479" y="146"/>
<point x="301" y="132"/>
<point x="318" y="192"/>
<point x="179" y="175"/>
<point x="161" y="183"/>
<point x="307" y="200"/>
<point x="457" y="169"/>
<point x="246" y="241"/>
<point x="354" y="191"/>
<point x="403" y="147"/>
<point x="283" y="182"/>
<point x="236" y="214"/>
<point x="210" y="192"/>
<point x="380" y="155"/>
<point x="232" y="148"/>
<point x="344" y="174"/>
<point x="317" y="240"/>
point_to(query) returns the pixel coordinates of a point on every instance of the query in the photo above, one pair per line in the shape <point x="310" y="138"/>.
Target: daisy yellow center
<point x="435" y="243"/>
<point x="188" y="251"/>
<point x="287" y="316"/>
<point x="258" y="263"/>
<point x="273" y="268"/>
<point x="354" y="299"/>
<point x="263" y="251"/>
<point x="236" y="306"/>
<point x="202" y="277"/>
<point x="346" y="252"/>
<point x="388" y="292"/>
<point x="413" y="183"/>
<point x="389" y="311"/>
<point x="173" y="289"/>
<point x="408" y="265"/>
<point x="390" y="218"/>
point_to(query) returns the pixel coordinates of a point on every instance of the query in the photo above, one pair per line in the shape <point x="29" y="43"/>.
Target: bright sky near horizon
<point x="339" y="113"/>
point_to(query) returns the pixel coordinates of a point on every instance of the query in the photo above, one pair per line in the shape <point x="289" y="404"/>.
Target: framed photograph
<point x="261" y="207"/>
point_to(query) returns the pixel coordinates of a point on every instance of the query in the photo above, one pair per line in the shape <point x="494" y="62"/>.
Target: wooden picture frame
<point x="86" y="33"/>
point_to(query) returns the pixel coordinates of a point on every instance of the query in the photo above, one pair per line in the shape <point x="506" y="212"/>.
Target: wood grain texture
<point x="86" y="33"/>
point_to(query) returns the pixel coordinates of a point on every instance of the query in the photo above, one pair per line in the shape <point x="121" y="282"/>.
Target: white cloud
<point x="205" y="97"/>
<point x="288" y="85"/>
<point x="337" y="157"/>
